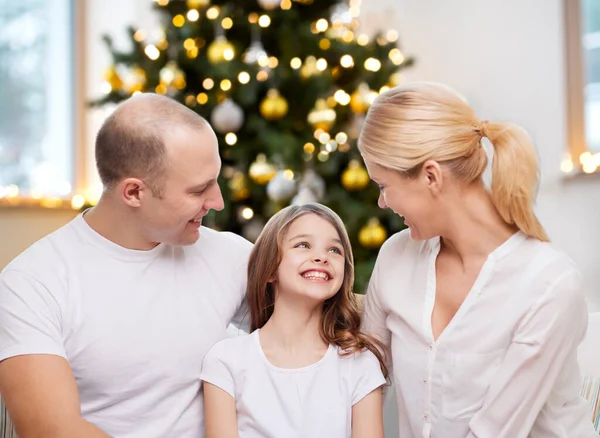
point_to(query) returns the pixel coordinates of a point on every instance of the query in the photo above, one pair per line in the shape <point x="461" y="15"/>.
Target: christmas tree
<point x="285" y="84"/>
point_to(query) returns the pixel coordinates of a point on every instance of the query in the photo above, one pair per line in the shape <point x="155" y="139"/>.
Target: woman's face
<point x="411" y="198"/>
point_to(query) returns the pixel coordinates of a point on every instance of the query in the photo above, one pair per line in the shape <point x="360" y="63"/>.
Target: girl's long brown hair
<point x="340" y="320"/>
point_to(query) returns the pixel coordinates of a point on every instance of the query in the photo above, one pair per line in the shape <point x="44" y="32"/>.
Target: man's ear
<point x="132" y="191"/>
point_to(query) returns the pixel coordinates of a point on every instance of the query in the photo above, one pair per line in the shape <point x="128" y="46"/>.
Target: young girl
<point x="305" y="370"/>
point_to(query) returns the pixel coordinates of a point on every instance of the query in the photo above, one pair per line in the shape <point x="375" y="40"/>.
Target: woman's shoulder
<point x="402" y="245"/>
<point x="551" y="272"/>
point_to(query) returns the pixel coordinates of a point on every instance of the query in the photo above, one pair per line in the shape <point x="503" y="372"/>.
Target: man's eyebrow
<point x="200" y="187"/>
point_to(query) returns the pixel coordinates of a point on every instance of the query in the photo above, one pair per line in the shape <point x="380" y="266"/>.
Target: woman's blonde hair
<point x="340" y="320"/>
<point x="421" y="121"/>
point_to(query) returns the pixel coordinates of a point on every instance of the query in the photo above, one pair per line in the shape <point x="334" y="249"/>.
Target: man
<point x="105" y="322"/>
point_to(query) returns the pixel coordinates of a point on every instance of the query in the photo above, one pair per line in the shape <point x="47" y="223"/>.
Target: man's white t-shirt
<point x="315" y="401"/>
<point x="134" y="325"/>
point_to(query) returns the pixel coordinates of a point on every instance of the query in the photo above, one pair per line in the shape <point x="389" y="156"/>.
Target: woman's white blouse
<point x="506" y="365"/>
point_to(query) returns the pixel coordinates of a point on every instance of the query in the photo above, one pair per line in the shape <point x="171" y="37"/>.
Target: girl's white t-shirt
<point x="271" y="402"/>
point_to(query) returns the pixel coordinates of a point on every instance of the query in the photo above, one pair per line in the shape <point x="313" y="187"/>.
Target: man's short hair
<point x="131" y="142"/>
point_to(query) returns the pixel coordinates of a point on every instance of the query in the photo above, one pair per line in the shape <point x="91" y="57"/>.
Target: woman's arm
<point x="543" y="343"/>
<point x="220" y="418"/>
<point x="367" y="416"/>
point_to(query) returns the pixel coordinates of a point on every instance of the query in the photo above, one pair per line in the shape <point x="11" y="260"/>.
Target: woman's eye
<point x="380" y="187"/>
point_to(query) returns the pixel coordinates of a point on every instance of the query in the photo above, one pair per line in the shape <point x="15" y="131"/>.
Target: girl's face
<point x="312" y="263"/>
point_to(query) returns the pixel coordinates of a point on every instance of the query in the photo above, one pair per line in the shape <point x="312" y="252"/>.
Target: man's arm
<point x="41" y="397"/>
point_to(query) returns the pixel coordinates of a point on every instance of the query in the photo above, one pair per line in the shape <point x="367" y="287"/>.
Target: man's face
<point x="190" y="188"/>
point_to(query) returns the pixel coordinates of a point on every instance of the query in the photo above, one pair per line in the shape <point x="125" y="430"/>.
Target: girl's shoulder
<point x="231" y="347"/>
<point x="358" y="358"/>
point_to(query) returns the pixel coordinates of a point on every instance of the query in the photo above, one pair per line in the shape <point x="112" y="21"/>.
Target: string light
<point x="392" y="36"/>
<point x="193" y="15"/>
<point x="189" y="44"/>
<point x="296" y="63"/>
<point x="213" y="12"/>
<point x="247" y="213"/>
<point x="77" y="202"/>
<point x="231" y="139"/>
<point x="321" y="25"/>
<point x="342" y="97"/>
<point x="202" y="98"/>
<point x="396" y="56"/>
<point x="152" y="52"/>
<point x="208" y="84"/>
<point x="347" y="61"/>
<point x="362" y="40"/>
<point x="225" y="85"/>
<point x="178" y="20"/>
<point x="227" y="23"/>
<point x="372" y="64"/>
<point x="244" y="77"/>
<point x="139" y="35"/>
<point x="264" y="21"/>
<point x="341" y="137"/>
<point x="321" y="64"/>
<point x="309" y="148"/>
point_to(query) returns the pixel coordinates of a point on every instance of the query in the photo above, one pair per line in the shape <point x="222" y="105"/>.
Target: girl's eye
<point x="336" y="250"/>
<point x="302" y="245"/>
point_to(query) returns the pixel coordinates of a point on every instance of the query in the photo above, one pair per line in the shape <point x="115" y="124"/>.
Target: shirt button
<point x="424" y="380"/>
<point x="425" y="416"/>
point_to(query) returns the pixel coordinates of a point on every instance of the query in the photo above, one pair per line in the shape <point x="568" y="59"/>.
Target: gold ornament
<point x="136" y="82"/>
<point x="372" y="235"/>
<point x="171" y="74"/>
<point x="239" y="187"/>
<point x="362" y="98"/>
<point x="261" y="171"/>
<point x="355" y="177"/>
<point x="113" y="78"/>
<point x="395" y="79"/>
<point x="220" y="50"/>
<point x="197" y="4"/>
<point x="274" y="106"/>
<point x="321" y="117"/>
<point x="309" y="68"/>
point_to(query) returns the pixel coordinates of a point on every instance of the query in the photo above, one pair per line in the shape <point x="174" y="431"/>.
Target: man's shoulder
<point x="47" y="252"/>
<point x="223" y="243"/>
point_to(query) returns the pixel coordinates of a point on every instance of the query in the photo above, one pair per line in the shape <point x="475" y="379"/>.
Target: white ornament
<point x="313" y="182"/>
<point x="252" y="229"/>
<point x="281" y="187"/>
<point x="254" y="53"/>
<point x="340" y="13"/>
<point x="304" y="196"/>
<point x="269" y="4"/>
<point x="227" y="117"/>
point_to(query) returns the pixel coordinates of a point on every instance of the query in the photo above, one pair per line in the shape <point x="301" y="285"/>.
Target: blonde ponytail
<point x="515" y="177"/>
<point x="421" y="121"/>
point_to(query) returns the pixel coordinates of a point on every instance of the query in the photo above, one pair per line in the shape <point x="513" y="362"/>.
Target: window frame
<point x="77" y="108"/>
<point x="575" y="96"/>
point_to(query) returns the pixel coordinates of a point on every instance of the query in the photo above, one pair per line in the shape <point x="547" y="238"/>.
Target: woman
<point x="482" y="314"/>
